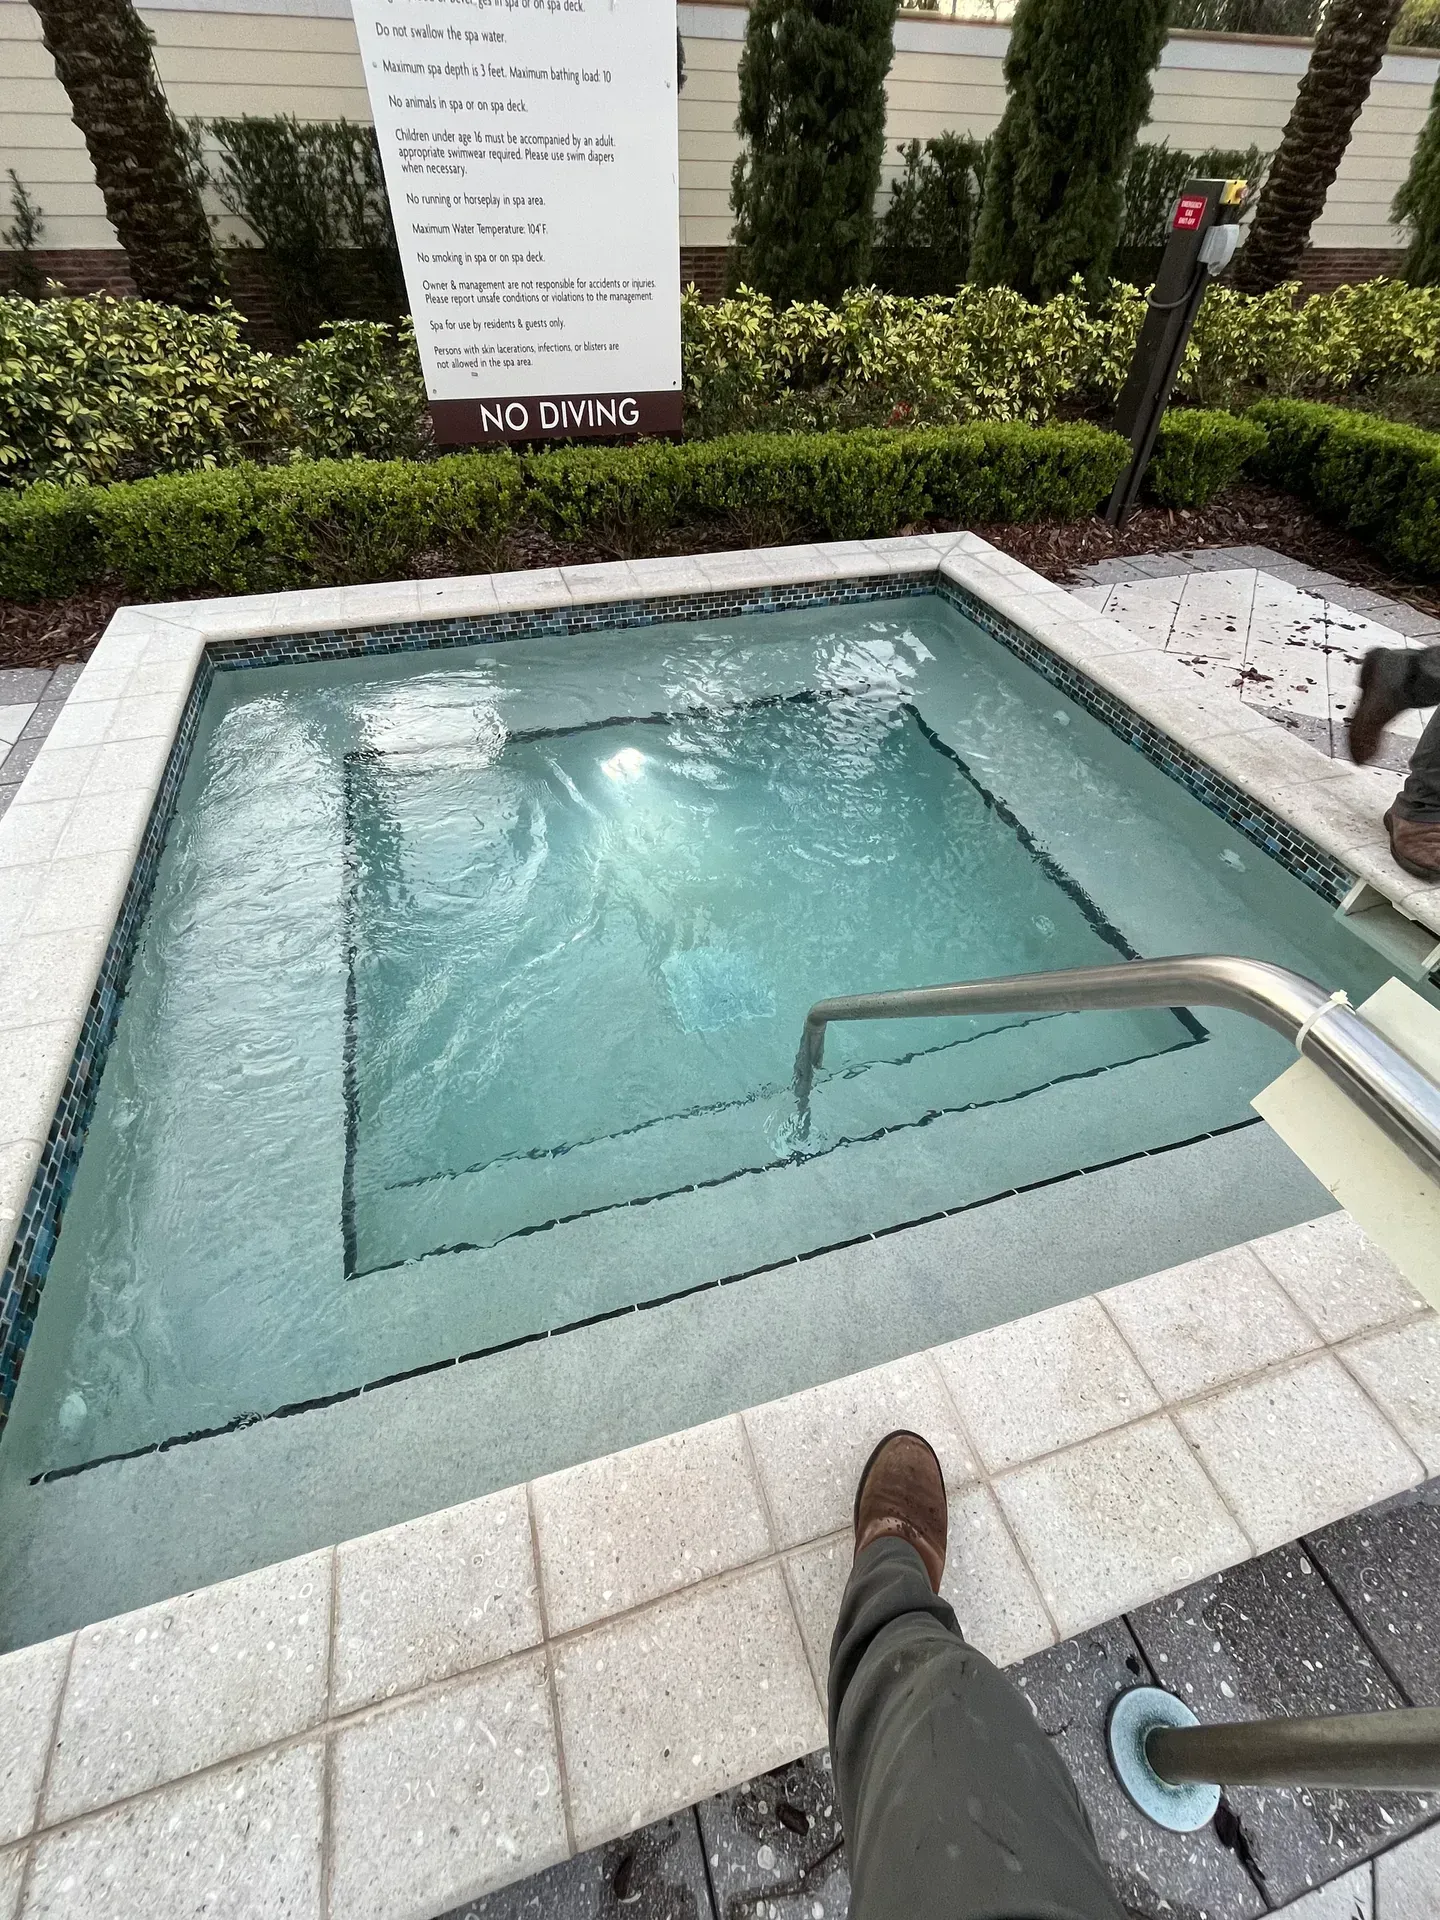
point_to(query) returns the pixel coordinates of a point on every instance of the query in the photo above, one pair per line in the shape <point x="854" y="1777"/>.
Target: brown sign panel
<point x="556" y="416"/>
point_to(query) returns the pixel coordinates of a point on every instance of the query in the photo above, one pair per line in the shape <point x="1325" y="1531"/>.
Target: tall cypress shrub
<point x="1418" y="202"/>
<point x="812" y="119"/>
<point x="1078" y="76"/>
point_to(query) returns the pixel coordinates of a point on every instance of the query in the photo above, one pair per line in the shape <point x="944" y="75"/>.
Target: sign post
<point x="531" y="156"/>
<point x="1201" y="242"/>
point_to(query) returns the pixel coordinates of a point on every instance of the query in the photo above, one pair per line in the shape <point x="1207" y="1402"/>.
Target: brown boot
<point x="1414" y="845"/>
<point x="901" y="1496"/>
<point x="1384" y="692"/>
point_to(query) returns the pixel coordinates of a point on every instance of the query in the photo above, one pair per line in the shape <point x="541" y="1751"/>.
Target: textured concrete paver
<point x="1341" y="1281"/>
<point x="158" y="1694"/>
<point x="1298" y="1449"/>
<point x="1158" y="1874"/>
<point x="1407" y="1880"/>
<point x="1115" y="1521"/>
<point x="12" y="1872"/>
<point x="1269" y="1639"/>
<point x="432" y="1598"/>
<point x="1031" y="1386"/>
<point x="443" y="1796"/>
<point x="29" y="1693"/>
<point x="1351" y="1897"/>
<point x="810" y="1447"/>
<point x="235" y="1844"/>
<point x="623" y="1530"/>
<point x="774" y="1846"/>
<point x="656" y="1874"/>
<point x="1385" y="1565"/>
<point x="1208" y="1322"/>
<point x="635" y="1746"/>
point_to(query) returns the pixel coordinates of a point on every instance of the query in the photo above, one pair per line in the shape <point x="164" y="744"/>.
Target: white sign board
<point x="531" y="156"/>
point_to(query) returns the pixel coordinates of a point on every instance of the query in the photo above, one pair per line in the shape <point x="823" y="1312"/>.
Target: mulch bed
<point x="57" y="632"/>
<point x="1245" y="515"/>
<point x="54" y="632"/>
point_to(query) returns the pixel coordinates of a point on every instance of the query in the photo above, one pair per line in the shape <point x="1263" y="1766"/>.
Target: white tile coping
<point x="68" y="842"/>
<point x="385" y="1729"/>
<point x="410" y="1719"/>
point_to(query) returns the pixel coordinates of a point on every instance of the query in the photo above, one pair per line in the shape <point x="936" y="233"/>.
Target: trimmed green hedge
<point x="255" y="529"/>
<point x="844" y="486"/>
<point x="50" y="541"/>
<point x="1199" y="452"/>
<point x="250" y="529"/>
<point x="1377" y="479"/>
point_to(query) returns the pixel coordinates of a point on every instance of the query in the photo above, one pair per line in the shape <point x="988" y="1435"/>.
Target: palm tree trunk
<point x="1348" y="50"/>
<point x="102" y="54"/>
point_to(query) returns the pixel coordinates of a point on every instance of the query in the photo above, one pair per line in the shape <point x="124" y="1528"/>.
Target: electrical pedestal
<point x="1202" y="241"/>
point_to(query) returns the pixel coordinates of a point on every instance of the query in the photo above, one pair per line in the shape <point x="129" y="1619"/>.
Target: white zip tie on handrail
<point x="1337" y="999"/>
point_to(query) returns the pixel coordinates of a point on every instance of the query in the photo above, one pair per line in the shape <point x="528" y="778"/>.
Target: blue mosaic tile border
<point x="29" y="1259"/>
<point x="470" y="630"/>
<point x="1320" y="871"/>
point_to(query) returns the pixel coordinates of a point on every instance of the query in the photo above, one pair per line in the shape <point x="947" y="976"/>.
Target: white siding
<point x="300" y="56"/>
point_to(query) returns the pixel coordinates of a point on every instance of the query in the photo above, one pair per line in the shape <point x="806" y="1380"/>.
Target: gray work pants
<point x="956" y="1806"/>
<point x="1419" y="798"/>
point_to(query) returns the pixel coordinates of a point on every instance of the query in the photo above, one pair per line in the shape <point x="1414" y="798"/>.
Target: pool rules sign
<point x="531" y="157"/>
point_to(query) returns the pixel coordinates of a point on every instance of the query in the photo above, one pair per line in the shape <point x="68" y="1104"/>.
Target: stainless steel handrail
<point x="1173" y="1768"/>
<point x="1402" y="1101"/>
<point x="1400" y="1748"/>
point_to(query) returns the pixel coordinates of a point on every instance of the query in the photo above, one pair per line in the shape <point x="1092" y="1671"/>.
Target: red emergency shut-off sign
<point x="1189" y="212"/>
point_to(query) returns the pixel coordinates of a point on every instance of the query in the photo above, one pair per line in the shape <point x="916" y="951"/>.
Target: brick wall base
<point x="81" y="270"/>
<point x="707" y="269"/>
<point x="1322" y="269"/>
<point x="251" y="293"/>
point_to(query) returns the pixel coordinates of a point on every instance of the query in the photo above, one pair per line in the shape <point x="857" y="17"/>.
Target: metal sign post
<point x="1202" y="241"/>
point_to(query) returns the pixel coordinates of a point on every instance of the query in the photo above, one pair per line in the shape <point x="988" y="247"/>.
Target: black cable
<point x="1169" y="306"/>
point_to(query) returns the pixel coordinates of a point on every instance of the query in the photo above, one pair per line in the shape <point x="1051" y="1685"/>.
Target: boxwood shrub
<point x="1375" y="478"/>
<point x="1199" y="452"/>
<point x="49" y="541"/>
<point x="327" y="522"/>
<point x="253" y="529"/>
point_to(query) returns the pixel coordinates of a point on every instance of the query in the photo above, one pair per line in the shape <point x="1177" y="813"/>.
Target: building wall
<point x="948" y="74"/>
<point x="300" y="56"/>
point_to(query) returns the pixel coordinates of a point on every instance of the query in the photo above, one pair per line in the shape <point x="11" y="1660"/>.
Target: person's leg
<point x="955" y="1805"/>
<point x="1419" y="798"/>
<point x="1392" y="681"/>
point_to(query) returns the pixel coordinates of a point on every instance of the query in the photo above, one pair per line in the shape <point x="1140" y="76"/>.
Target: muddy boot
<point x="1414" y="845"/>
<point x="1385" y="691"/>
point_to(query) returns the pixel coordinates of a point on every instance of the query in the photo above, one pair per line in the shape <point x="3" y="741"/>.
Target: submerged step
<point x="852" y="1107"/>
<point x="129" y="1531"/>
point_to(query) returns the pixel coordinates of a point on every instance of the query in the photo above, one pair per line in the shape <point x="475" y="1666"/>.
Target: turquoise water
<point x="467" y="1000"/>
<point x="581" y="964"/>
